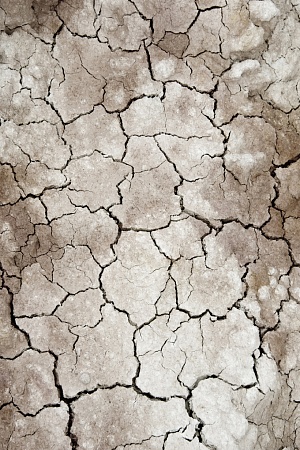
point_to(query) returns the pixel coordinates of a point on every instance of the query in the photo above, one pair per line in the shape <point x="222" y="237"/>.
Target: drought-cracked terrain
<point x="149" y="225"/>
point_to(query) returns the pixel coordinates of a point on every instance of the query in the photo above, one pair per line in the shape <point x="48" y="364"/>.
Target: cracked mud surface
<point x="149" y="225"/>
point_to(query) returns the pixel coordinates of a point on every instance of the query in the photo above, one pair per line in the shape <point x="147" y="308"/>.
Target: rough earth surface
<point x="149" y="225"/>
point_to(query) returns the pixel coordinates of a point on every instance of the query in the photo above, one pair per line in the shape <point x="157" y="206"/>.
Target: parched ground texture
<point x="149" y="225"/>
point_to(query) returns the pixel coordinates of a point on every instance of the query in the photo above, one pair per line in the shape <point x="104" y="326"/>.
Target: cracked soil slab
<point x="149" y="225"/>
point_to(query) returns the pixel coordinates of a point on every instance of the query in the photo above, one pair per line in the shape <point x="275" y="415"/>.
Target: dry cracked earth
<point x="149" y="225"/>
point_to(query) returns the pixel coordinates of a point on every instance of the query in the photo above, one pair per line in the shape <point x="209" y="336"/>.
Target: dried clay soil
<point x="149" y="225"/>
